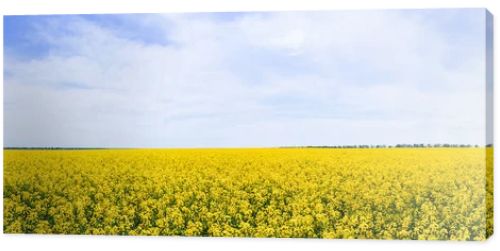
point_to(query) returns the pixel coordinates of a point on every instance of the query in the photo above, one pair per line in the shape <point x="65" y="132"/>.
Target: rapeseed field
<point x="396" y="193"/>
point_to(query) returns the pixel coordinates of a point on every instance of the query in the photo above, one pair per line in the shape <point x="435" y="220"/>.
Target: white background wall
<point x="22" y="242"/>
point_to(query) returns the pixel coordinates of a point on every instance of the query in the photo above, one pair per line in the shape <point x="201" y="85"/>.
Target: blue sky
<point x="245" y="79"/>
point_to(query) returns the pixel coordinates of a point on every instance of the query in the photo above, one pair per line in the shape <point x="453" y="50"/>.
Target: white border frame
<point x="58" y="242"/>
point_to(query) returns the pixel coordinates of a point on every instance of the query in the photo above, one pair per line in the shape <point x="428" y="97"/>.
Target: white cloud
<point x="264" y="79"/>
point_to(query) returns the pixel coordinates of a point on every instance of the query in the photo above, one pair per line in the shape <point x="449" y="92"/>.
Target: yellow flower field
<point x="393" y="193"/>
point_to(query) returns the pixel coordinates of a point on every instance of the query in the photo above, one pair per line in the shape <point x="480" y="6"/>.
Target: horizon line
<point x="420" y="145"/>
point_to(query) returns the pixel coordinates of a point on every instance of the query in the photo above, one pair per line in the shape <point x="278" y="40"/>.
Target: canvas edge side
<point x="489" y="135"/>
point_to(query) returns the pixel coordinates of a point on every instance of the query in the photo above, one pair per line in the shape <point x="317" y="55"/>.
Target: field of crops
<point x="397" y="193"/>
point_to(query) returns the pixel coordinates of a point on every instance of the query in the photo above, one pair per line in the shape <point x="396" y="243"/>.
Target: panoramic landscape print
<point x="373" y="124"/>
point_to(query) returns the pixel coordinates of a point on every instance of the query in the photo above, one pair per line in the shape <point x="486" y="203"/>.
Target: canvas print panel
<point x="326" y="124"/>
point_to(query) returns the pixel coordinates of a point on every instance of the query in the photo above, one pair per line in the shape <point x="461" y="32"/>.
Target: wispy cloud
<point x="245" y="79"/>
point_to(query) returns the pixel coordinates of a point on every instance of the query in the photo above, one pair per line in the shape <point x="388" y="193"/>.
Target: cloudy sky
<point x="245" y="79"/>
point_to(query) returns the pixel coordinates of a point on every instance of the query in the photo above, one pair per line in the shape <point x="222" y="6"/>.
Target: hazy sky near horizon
<point x="245" y="79"/>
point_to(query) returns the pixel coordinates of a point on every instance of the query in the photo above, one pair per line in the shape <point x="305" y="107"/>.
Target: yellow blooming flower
<point x="403" y="193"/>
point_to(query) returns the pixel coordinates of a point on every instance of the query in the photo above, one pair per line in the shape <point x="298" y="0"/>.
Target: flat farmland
<point x="389" y="193"/>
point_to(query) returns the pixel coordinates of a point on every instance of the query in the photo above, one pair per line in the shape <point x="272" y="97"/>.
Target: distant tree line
<point x="398" y="146"/>
<point x="324" y="146"/>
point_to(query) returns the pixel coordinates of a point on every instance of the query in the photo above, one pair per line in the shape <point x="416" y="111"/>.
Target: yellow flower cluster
<point x="407" y="193"/>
